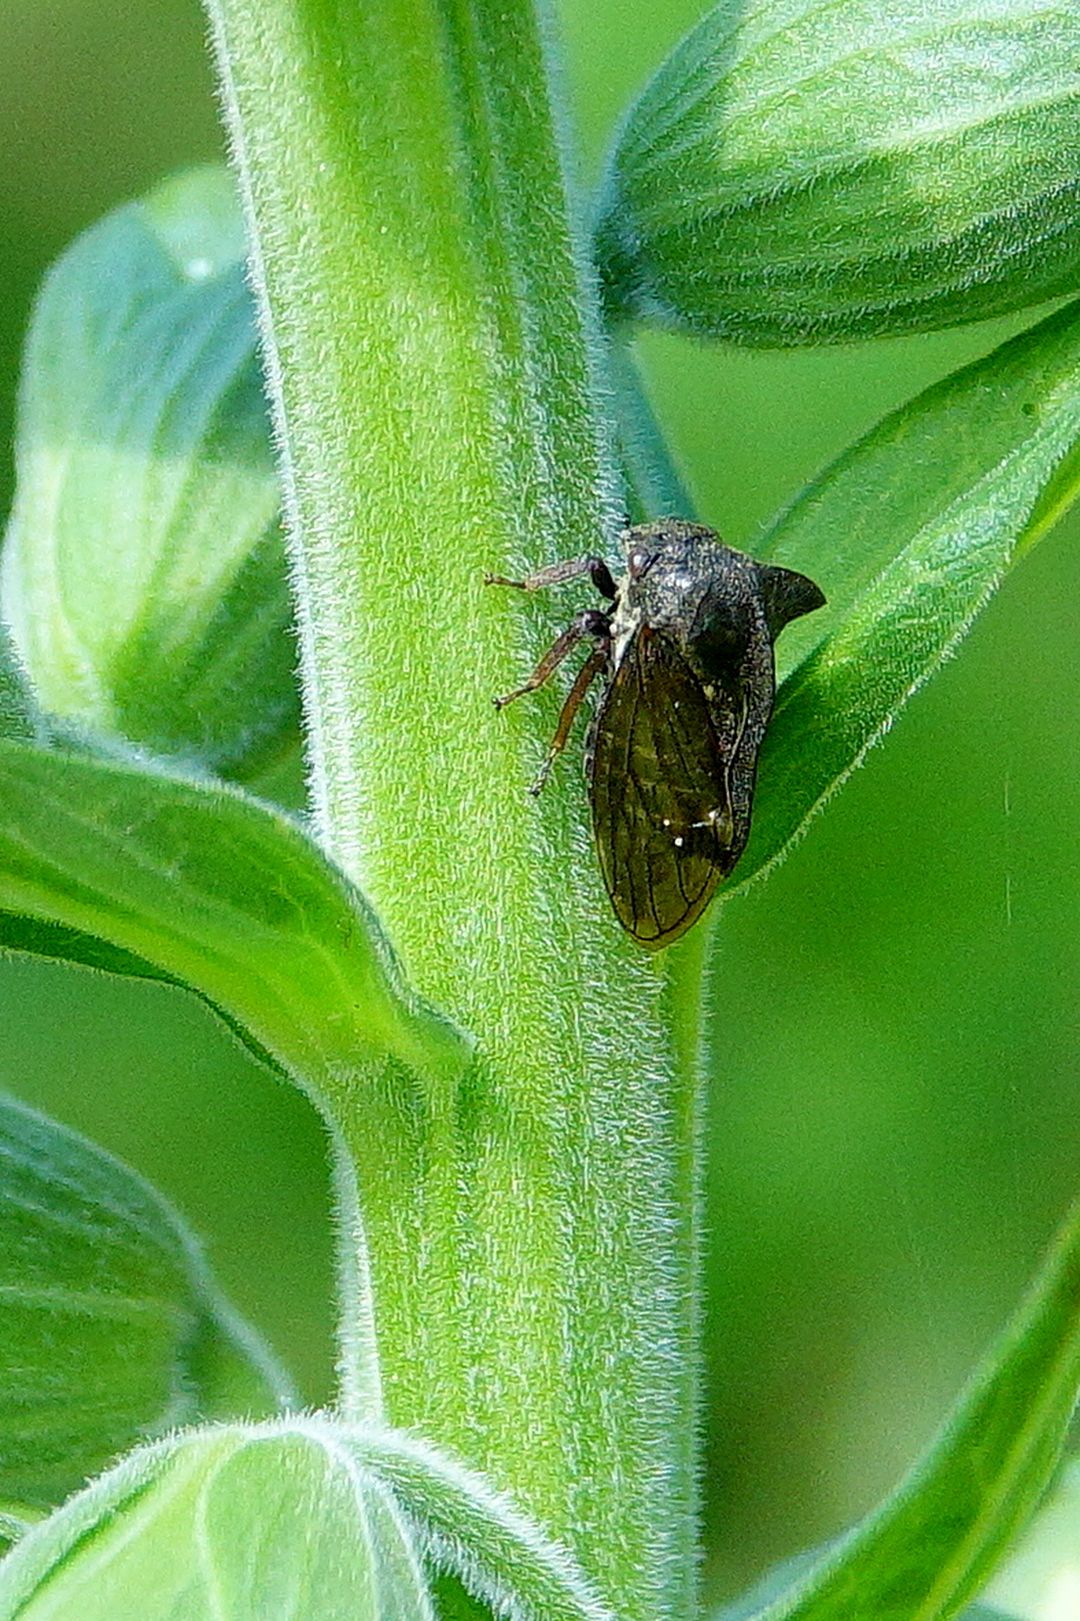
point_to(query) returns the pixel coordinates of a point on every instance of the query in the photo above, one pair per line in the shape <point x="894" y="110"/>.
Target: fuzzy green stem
<point x="430" y="351"/>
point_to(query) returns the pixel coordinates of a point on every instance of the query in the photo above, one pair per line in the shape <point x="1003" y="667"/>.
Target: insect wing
<point x="660" y="799"/>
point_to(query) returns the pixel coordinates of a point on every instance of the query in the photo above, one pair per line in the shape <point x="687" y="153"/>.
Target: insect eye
<point x="639" y="561"/>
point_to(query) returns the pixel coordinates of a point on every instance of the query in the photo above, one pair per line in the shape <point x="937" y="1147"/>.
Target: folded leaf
<point x="750" y="1605"/>
<point x="111" y="1326"/>
<point x="932" y="1545"/>
<point x="300" y="1518"/>
<point x="475" y="1533"/>
<point x="274" y="1523"/>
<point x="909" y="533"/>
<point x="1040" y="1578"/>
<point x="816" y="171"/>
<point x="203" y="885"/>
<point x="54" y="943"/>
<point x="144" y="576"/>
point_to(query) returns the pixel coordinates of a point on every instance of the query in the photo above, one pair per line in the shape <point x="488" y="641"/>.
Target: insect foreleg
<point x="590" y="623"/>
<point x="557" y="573"/>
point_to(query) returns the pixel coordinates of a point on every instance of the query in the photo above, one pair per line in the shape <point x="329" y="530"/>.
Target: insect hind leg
<point x="594" y="665"/>
<point x="590" y="623"/>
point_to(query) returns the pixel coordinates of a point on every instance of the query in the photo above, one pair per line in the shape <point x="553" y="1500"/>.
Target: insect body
<point x="686" y="648"/>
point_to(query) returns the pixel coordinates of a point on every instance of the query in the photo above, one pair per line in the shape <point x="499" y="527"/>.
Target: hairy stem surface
<point x="429" y="347"/>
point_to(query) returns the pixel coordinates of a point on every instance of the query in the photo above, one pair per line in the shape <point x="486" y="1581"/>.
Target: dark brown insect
<point x="687" y="651"/>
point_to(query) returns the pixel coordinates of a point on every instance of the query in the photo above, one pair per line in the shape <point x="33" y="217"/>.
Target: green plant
<point x="511" y="1092"/>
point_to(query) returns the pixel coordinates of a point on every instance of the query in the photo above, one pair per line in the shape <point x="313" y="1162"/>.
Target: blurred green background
<point x="895" y="1115"/>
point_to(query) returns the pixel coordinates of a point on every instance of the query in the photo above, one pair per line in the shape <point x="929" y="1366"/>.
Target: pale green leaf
<point x="144" y="576"/>
<point x="199" y="883"/>
<point x="1040" y="1578"/>
<point x="908" y="534"/>
<point x="299" y="1518"/>
<point x="931" y="1546"/>
<point x="267" y="1523"/>
<point x="823" y="170"/>
<point x="111" y="1326"/>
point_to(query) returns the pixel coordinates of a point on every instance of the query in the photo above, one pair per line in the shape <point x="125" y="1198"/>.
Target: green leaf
<point x="15" y="1520"/>
<point x="18" y="713"/>
<point x="815" y="171"/>
<point x="909" y="533"/>
<point x="772" y="1585"/>
<point x="144" y="575"/>
<point x="1040" y="1578"/>
<point x="198" y="883"/>
<point x="55" y="943"/>
<point x="476" y="1534"/>
<point x="750" y="1605"/>
<point x="296" y="1518"/>
<point x="932" y="1545"/>
<point x="111" y="1327"/>
<point x="267" y="1523"/>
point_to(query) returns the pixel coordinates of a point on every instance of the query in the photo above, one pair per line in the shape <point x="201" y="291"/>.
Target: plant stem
<point x="430" y="352"/>
<point x="654" y="484"/>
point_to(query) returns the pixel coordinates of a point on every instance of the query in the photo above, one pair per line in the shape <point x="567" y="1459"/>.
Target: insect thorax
<point x="684" y="583"/>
